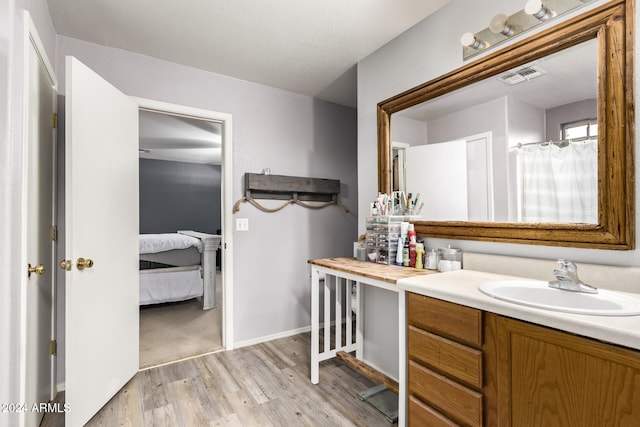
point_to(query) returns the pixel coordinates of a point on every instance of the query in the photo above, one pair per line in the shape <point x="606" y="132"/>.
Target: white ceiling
<point x="571" y="75"/>
<point x="178" y="138"/>
<point x="308" y="47"/>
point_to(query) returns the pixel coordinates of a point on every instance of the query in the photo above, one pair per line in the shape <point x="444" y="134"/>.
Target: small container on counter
<point x="431" y="260"/>
<point x="450" y="259"/>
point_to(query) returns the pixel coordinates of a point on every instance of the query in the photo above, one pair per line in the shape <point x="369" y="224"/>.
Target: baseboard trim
<point x="266" y="338"/>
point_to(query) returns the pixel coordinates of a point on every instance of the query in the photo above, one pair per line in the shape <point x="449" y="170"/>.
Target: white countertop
<point x="461" y="287"/>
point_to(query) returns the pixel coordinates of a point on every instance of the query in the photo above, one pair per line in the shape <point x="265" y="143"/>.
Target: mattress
<point x="169" y="250"/>
<point x="170" y="284"/>
<point x="154" y="243"/>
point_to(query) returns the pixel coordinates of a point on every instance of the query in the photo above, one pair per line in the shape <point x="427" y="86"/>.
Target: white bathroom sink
<point x="537" y="293"/>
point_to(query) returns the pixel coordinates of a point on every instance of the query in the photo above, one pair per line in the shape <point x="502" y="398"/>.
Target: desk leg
<point x="402" y="359"/>
<point x="359" y="322"/>
<point x="315" y="325"/>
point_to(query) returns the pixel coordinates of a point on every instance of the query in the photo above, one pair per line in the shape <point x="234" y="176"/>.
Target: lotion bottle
<point x="419" y="254"/>
<point x="399" y="258"/>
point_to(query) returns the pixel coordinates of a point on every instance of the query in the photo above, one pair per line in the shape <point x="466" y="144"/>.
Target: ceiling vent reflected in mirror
<point x="522" y="75"/>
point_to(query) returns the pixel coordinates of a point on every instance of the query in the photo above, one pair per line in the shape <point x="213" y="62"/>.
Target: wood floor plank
<point x="161" y="416"/>
<point x="238" y="368"/>
<point x="262" y="385"/>
<point x="187" y="406"/>
<point x="228" y="421"/>
<point x="249" y="413"/>
<point x="153" y="383"/>
<point x="212" y="368"/>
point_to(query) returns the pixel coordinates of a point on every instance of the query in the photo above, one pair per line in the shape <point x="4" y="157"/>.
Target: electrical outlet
<point x="242" y="224"/>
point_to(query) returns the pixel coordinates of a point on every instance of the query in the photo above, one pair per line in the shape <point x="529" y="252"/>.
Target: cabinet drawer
<point x="423" y="415"/>
<point x="460" y="361"/>
<point x="457" y="321"/>
<point x="452" y="399"/>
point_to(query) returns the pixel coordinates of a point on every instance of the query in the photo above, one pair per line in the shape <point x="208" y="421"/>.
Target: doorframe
<point x="226" y="198"/>
<point x="31" y="37"/>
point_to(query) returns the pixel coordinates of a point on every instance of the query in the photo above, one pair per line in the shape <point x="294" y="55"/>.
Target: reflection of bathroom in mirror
<point x="520" y="146"/>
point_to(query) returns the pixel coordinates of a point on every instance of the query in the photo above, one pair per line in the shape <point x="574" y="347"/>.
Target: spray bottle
<point x="411" y="235"/>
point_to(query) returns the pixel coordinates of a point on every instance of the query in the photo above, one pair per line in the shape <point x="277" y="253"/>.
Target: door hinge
<point x="225" y="245"/>
<point x="54" y="233"/>
<point x="53" y="347"/>
<point x="54" y="120"/>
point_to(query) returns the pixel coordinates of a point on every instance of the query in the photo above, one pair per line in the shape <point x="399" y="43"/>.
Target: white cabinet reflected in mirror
<point x="520" y="146"/>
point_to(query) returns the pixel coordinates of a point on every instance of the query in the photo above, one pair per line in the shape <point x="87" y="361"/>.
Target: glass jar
<point x="449" y="259"/>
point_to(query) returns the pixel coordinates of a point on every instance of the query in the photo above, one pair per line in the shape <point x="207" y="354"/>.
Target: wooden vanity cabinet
<point x="472" y="368"/>
<point x="448" y="380"/>
<point x="553" y="378"/>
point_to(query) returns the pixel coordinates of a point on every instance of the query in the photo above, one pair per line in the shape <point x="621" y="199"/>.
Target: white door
<point x="40" y="179"/>
<point x="439" y="173"/>
<point x="101" y="207"/>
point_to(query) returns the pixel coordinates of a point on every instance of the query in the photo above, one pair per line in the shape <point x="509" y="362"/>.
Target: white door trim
<point x="32" y="38"/>
<point x="227" y="200"/>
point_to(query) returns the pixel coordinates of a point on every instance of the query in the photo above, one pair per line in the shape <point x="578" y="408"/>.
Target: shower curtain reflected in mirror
<point x="557" y="182"/>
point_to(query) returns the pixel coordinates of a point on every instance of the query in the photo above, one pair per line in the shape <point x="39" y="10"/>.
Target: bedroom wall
<point x="289" y="133"/>
<point x="179" y="196"/>
<point x="424" y="52"/>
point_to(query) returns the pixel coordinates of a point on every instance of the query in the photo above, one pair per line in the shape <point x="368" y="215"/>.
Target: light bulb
<point x="470" y="40"/>
<point x="538" y="10"/>
<point x="500" y="24"/>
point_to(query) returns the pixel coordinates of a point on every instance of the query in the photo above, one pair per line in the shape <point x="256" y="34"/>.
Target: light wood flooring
<point x="262" y="385"/>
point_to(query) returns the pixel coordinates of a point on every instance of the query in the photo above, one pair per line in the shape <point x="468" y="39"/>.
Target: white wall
<point x="11" y="196"/>
<point x="408" y="131"/>
<point x="424" y="52"/>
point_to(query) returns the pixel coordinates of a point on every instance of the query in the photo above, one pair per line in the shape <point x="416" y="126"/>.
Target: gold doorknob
<point x="82" y="263"/>
<point x="38" y="270"/>
<point x="66" y="264"/>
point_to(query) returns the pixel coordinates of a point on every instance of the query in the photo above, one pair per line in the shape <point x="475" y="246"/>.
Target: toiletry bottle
<point x="405" y="254"/>
<point x="419" y="254"/>
<point x="411" y="234"/>
<point x="432" y="260"/>
<point x="399" y="256"/>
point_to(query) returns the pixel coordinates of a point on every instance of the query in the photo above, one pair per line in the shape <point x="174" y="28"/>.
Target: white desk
<point x="342" y="274"/>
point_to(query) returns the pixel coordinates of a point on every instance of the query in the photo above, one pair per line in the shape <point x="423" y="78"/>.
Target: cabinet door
<point x="550" y="378"/>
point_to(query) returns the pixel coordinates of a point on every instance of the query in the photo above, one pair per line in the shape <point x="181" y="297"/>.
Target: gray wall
<point x="425" y="51"/>
<point x="556" y="117"/>
<point x="179" y="196"/>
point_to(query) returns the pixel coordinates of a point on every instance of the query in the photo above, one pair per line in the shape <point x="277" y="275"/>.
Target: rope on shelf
<point x="236" y="206"/>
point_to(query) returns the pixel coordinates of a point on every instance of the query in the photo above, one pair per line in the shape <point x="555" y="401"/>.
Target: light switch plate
<point x="242" y="224"/>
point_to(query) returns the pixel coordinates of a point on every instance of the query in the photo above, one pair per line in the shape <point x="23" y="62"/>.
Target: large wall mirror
<point x="531" y="144"/>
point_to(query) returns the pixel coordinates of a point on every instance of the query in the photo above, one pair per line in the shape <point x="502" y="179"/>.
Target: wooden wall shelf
<point x="281" y="187"/>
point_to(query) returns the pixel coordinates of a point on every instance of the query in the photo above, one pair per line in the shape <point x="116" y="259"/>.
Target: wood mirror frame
<point x="612" y="25"/>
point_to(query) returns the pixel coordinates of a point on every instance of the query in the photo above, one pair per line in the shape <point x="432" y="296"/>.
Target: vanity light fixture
<point x="470" y="40"/>
<point x="500" y="25"/>
<point x="538" y="10"/>
<point x="503" y="28"/>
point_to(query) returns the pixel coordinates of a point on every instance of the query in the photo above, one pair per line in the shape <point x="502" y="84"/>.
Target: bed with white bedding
<point x="178" y="266"/>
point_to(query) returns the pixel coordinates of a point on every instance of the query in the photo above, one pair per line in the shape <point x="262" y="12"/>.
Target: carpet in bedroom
<point x="174" y="331"/>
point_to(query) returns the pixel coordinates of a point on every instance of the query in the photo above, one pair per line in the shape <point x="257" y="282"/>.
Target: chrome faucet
<point x="567" y="279"/>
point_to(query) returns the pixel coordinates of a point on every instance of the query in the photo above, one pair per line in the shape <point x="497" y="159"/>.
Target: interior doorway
<point x="190" y="146"/>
